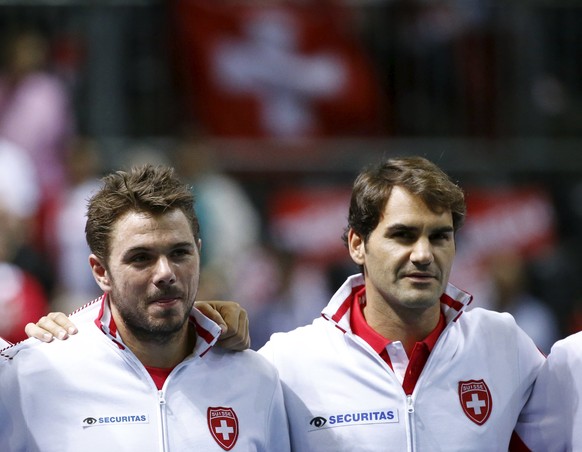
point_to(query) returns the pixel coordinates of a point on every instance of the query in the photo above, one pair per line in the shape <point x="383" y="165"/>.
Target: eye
<point x="318" y="421"/>
<point x="442" y="236"/>
<point x="139" y="258"/>
<point x="181" y="252"/>
<point x="89" y="420"/>
<point x="404" y="238"/>
<point x="180" y="256"/>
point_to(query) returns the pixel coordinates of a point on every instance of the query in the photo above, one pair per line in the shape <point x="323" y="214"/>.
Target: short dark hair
<point x="147" y="188"/>
<point x="421" y="177"/>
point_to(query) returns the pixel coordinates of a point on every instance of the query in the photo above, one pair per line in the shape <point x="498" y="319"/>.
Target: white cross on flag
<point x="223" y="425"/>
<point x="475" y="399"/>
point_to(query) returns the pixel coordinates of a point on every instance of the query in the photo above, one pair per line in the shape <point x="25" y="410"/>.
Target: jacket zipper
<point x="161" y="396"/>
<point x="162" y="413"/>
<point x="409" y="400"/>
<point x="164" y="446"/>
<point x="410" y="414"/>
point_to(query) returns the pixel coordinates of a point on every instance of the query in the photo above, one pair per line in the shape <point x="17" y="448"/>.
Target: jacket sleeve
<point x="547" y="421"/>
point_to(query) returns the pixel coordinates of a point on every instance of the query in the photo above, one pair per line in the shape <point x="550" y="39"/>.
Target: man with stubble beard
<point x="142" y="372"/>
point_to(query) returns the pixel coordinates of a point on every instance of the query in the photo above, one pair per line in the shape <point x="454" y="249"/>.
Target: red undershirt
<point x="159" y="375"/>
<point x="421" y="350"/>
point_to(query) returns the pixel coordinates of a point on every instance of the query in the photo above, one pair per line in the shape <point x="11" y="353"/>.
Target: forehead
<point x="404" y="207"/>
<point x="145" y="229"/>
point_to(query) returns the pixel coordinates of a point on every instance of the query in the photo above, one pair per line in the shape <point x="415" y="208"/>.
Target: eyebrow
<point x="141" y="249"/>
<point x="399" y="227"/>
<point x="444" y="229"/>
<point x="185" y="245"/>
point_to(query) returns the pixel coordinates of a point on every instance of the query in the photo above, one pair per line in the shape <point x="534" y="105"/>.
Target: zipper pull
<point x="410" y="404"/>
<point x="161" y="397"/>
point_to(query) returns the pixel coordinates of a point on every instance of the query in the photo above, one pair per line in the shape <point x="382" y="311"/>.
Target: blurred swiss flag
<point x="275" y="69"/>
<point x="517" y="220"/>
<point x="310" y="222"/>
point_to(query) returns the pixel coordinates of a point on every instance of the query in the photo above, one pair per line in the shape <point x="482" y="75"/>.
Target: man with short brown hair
<point x="142" y="372"/>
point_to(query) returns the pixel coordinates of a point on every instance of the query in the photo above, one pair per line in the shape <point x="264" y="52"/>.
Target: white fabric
<point x="4" y="343"/>
<point x="340" y="395"/>
<point x="552" y="419"/>
<point x="50" y="392"/>
<point x="19" y="188"/>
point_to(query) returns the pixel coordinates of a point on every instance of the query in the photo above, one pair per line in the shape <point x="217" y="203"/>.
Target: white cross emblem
<point x="224" y="430"/>
<point x="266" y="62"/>
<point x="476" y="404"/>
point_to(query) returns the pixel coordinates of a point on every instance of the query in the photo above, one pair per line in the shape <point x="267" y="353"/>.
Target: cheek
<point x="131" y="281"/>
<point x="189" y="274"/>
<point x="393" y="256"/>
<point x="446" y="259"/>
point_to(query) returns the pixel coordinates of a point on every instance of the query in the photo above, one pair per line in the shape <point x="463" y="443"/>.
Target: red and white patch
<point x="223" y="425"/>
<point x="475" y="399"/>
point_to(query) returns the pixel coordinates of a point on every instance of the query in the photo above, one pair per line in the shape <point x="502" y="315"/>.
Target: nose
<point x="422" y="252"/>
<point x="164" y="272"/>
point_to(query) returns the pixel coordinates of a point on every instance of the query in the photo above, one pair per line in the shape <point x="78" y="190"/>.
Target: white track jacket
<point x="342" y="396"/>
<point x="554" y="421"/>
<point x="90" y="393"/>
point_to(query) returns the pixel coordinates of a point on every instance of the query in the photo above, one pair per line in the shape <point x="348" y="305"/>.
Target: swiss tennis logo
<point x="475" y="399"/>
<point x="223" y="425"/>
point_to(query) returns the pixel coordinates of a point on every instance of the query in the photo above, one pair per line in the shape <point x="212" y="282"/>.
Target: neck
<point x="408" y="326"/>
<point x="168" y="355"/>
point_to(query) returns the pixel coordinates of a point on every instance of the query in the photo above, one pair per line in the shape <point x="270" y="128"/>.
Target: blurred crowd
<point x="281" y="70"/>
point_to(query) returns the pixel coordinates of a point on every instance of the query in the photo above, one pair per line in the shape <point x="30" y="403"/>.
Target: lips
<point x="420" y="276"/>
<point x="166" y="298"/>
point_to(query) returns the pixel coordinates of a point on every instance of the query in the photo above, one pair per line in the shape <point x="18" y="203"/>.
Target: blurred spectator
<point x="292" y="294"/>
<point x="35" y="112"/>
<point x="275" y="68"/>
<point x="35" y="106"/>
<point x="19" y="191"/>
<point x="23" y="298"/>
<point x="66" y="230"/>
<point x="20" y="196"/>
<point x="510" y="292"/>
<point x="229" y="222"/>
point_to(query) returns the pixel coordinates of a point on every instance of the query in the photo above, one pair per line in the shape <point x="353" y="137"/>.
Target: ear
<point x="356" y="247"/>
<point x="100" y="273"/>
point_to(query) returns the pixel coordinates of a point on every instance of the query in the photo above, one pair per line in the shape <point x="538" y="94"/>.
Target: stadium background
<point x="271" y="107"/>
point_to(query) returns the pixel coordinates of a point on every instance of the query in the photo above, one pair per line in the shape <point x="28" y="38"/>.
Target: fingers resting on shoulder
<point x="53" y="325"/>
<point x="233" y="320"/>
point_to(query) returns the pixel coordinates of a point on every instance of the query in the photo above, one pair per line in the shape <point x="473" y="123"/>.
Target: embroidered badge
<point x="223" y="425"/>
<point x="475" y="400"/>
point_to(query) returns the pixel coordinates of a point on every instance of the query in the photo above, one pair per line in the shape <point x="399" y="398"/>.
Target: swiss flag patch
<point x="223" y="425"/>
<point x="475" y="399"/>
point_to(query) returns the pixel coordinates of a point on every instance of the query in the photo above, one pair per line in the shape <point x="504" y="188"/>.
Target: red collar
<point x="378" y="342"/>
